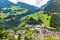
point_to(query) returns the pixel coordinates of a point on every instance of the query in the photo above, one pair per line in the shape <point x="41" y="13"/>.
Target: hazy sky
<point x="37" y="3"/>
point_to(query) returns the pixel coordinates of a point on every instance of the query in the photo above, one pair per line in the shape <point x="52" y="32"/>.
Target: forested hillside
<point x="54" y="9"/>
<point x="9" y="16"/>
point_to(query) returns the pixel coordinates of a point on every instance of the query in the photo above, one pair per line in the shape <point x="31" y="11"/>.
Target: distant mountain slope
<point x="6" y="3"/>
<point x="32" y="7"/>
<point x="27" y="6"/>
<point x="54" y="6"/>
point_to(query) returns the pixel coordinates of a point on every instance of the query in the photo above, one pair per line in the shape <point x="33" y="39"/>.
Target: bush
<point x="49" y="38"/>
